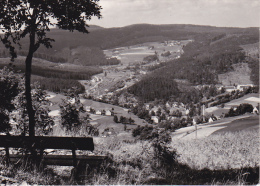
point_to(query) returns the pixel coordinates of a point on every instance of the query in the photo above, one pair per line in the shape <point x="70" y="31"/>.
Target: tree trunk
<point x="28" y="95"/>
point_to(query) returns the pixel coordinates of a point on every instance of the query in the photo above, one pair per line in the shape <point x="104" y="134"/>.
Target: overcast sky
<point x="227" y="13"/>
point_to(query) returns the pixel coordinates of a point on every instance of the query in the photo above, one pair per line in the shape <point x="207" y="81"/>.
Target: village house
<point x="108" y="113"/>
<point x="194" y="121"/>
<point x="88" y="108"/>
<point x="172" y="118"/>
<point x="98" y="112"/>
<point x="210" y="120"/>
<point x="147" y="106"/>
<point x="155" y="109"/>
<point x="187" y="111"/>
<point x="95" y="79"/>
<point x="143" y="72"/>
<point x="168" y="105"/>
<point x="155" y="119"/>
<point x="242" y="87"/>
<point x="255" y="110"/>
<point x="230" y="88"/>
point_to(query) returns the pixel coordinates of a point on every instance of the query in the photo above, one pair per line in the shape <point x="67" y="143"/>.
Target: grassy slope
<point x="220" y="151"/>
<point x="239" y="76"/>
<point x="249" y="98"/>
<point x="103" y="122"/>
<point x="217" y="159"/>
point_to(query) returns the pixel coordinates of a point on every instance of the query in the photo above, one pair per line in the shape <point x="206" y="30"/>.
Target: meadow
<point x="136" y="53"/>
<point x="221" y="159"/>
<point x="220" y="151"/>
<point x="239" y="76"/>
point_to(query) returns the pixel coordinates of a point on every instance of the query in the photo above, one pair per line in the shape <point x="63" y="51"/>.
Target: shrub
<point x="9" y="89"/>
<point x="166" y="54"/>
<point x="43" y="122"/>
<point x="71" y="108"/>
<point x="240" y="110"/>
<point x="151" y="58"/>
<point x="115" y="119"/>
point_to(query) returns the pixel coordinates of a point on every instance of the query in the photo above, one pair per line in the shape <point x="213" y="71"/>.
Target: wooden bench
<point x="41" y="143"/>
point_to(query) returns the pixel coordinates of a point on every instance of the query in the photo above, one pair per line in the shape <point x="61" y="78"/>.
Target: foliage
<point x="125" y="120"/>
<point x="113" y="61"/>
<point x="160" y="86"/>
<point x="44" y="123"/>
<point x="253" y="64"/>
<point x="235" y="94"/>
<point x="21" y="18"/>
<point x="166" y="54"/>
<point x="116" y="119"/>
<point x="151" y="58"/>
<point x="202" y="61"/>
<point x="134" y="162"/>
<point x="76" y="74"/>
<point x="9" y="83"/>
<point x="73" y="115"/>
<point x="219" y="150"/>
<point x="143" y="132"/>
<point x="45" y="56"/>
<point x="70" y="109"/>
<point x="240" y="110"/>
<point x="58" y="85"/>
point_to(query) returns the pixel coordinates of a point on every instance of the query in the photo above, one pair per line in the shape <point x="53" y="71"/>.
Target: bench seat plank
<point x="47" y="142"/>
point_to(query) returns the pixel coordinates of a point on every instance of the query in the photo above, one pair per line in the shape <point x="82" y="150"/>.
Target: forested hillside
<point x="213" y="51"/>
<point x="105" y="38"/>
<point x="209" y="55"/>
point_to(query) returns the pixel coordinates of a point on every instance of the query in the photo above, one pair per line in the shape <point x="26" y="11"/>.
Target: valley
<point x="132" y="67"/>
<point x="185" y="92"/>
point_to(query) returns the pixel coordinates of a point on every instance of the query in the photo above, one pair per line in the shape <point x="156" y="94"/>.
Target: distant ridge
<point x="105" y="38"/>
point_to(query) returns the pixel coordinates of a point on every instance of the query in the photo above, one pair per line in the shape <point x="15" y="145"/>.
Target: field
<point x="132" y="68"/>
<point x="252" y="99"/>
<point x="251" y="49"/>
<point x="220" y="159"/>
<point x="247" y="122"/>
<point x="101" y="122"/>
<point x="239" y="76"/>
<point x="136" y="53"/>
<point x="220" y="151"/>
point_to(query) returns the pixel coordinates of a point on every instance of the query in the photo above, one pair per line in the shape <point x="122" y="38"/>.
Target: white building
<point x="210" y="120"/>
<point x="98" y="112"/>
<point x="108" y="113"/>
<point x="88" y="108"/>
<point x="155" y="119"/>
<point x="255" y="110"/>
<point x="242" y="87"/>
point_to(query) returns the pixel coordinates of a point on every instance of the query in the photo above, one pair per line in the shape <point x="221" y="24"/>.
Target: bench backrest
<point x="46" y="142"/>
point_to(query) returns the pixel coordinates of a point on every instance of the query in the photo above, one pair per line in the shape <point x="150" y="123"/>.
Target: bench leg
<point x="41" y="165"/>
<point x="7" y="156"/>
<point x="79" y="172"/>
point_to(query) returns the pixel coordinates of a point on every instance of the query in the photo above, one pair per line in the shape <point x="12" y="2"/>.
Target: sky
<point x="223" y="13"/>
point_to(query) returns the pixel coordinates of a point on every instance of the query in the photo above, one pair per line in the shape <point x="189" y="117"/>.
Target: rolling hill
<point x="214" y="50"/>
<point x="106" y="38"/>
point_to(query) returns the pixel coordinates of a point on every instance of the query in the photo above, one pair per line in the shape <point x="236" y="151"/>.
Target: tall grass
<point x="221" y="159"/>
<point x="220" y="151"/>
<point x="21" y="174"/>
